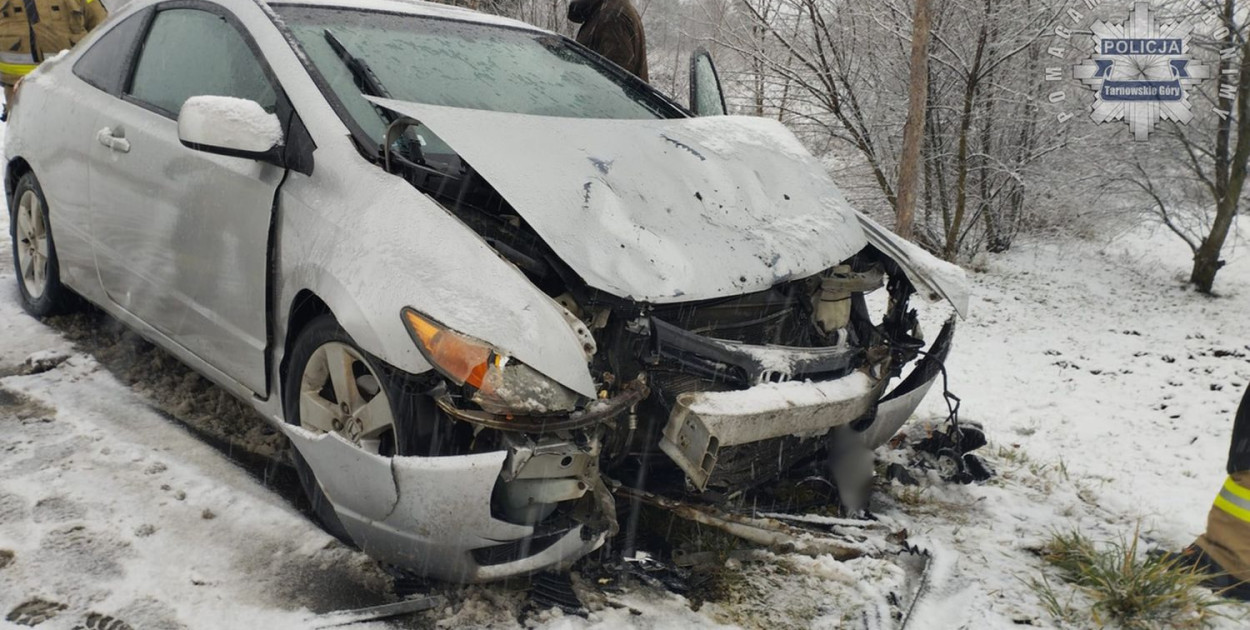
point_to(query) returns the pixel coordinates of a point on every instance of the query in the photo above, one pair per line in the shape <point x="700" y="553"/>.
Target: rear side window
<point x="188" y="53"/>
<point x="104" y="64"/>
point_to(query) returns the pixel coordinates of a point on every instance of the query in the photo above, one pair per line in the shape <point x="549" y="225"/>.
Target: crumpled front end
<point x="746" y="390"/>
<point x="737" y="323"/>
<point x="715" y="398"/>
<point x="702" y="401"/>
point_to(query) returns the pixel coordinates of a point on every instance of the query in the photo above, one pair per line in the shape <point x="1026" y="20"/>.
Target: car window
<point x="460" y="64"/>
<point x="104" y="64"/>
<point x="188" y="53"/>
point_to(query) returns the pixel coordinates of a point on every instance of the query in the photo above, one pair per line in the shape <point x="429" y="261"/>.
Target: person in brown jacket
<point x="33" y="30"/>
<point x="613" y="29"/>
<point x="1223" y="552"/>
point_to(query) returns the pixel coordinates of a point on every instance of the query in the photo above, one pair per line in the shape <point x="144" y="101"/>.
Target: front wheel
<point x="334" y="387"/>
<point x="34" y="252"/>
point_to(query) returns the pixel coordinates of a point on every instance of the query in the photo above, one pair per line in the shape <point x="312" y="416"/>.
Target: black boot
<point x="1217" y="578"/>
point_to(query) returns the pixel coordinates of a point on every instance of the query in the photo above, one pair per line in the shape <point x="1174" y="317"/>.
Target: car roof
<point x="411" y="7"/>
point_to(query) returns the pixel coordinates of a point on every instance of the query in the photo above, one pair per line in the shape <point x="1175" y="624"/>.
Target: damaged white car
<point x="481" y="277"/>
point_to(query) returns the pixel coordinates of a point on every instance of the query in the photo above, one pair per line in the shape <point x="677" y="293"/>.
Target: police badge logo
<point x="1141" y="71"/>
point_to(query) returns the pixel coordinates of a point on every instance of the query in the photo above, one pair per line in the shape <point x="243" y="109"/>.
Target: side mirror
<point x="706" y="96"/>
<point x="230" y="126"/>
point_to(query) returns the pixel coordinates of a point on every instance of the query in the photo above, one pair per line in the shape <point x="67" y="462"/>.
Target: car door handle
<point x="106" y="138"/>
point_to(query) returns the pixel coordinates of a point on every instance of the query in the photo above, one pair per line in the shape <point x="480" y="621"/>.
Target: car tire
<point x="317" y="346"/>
<point x="34" y="251"/>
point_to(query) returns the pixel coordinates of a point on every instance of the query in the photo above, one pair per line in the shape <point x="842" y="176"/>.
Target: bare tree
<point x="845" y="67"/>
<point x="1192" y="179"/>
<point x="1230" y="156"/>
<point x="814" y="52"/>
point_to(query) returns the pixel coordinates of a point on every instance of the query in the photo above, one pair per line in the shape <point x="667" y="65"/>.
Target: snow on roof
<point x="413" y="7"/>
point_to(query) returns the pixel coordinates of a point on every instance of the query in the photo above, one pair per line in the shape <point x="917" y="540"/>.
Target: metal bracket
<point x="691" y="445"/>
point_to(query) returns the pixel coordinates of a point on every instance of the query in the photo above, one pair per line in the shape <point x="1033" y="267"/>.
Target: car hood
<point x="660" y="211"/>
<point x="934" y="278"/>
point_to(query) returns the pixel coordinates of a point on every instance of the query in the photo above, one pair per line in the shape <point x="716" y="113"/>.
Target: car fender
<point x="377" y="246"/>
<point x="317" y="279"/>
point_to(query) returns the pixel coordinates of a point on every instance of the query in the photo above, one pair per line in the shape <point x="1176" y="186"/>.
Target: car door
<point x="181" y="236"/>
<point x="64" y="117"/>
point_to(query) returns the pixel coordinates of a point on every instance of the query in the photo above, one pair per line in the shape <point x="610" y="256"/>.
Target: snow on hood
<point x="660" y="211"/>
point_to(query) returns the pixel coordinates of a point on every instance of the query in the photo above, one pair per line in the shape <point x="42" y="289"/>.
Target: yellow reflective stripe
<point x="1237" y="490"/>
<point x="17" y="69"/>
<point x="1238" y="512"/>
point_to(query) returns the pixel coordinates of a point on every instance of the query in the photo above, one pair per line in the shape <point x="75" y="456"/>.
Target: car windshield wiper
<point x="366" y="80"/>
<point x="370" y="85"/>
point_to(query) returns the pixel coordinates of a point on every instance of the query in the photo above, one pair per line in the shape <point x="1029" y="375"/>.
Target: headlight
<point x="500" y="385"/>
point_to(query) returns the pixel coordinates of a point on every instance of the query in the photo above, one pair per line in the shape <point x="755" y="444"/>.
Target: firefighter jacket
<point x="33" y="30"/>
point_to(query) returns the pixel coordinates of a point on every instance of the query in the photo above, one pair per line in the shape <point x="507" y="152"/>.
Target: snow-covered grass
<point x="1106" y="387"/>
<point x="1121" y="585"/>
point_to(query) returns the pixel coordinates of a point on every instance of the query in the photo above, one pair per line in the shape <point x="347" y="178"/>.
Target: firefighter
<point x="613" y="29"/>
<point x="33" y="30"/>
<point x="1223" y="551"/>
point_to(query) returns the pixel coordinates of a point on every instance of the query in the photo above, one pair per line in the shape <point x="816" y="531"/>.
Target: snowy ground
<point x="1106" y="387"/>
<point x="1108" y="390"/>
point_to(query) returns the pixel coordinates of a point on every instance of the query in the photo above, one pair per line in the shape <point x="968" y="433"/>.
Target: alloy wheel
<point x="340" y="393"/>
<point x="32" y="245"/>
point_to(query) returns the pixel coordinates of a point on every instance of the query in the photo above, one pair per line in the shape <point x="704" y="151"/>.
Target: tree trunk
<point x="1231" y="174"/>
<point x="965" y="125"/>
<point x="913" y="132"/>
<point x="993" y="241"/>
<point x="937" y="160"/>
<point x="758" y="69"/>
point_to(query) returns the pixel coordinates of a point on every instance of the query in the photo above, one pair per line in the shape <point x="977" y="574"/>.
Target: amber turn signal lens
<point x="459" y="358"/>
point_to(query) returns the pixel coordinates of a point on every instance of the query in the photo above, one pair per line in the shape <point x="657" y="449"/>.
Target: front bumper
<point x="433" y="515"/>
<point x="702" y="423"/>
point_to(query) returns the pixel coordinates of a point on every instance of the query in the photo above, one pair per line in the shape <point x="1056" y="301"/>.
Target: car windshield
<point x="460" y="64"/>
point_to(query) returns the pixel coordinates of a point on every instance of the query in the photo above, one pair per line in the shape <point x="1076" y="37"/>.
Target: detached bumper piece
<point x="704" y="422"/>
